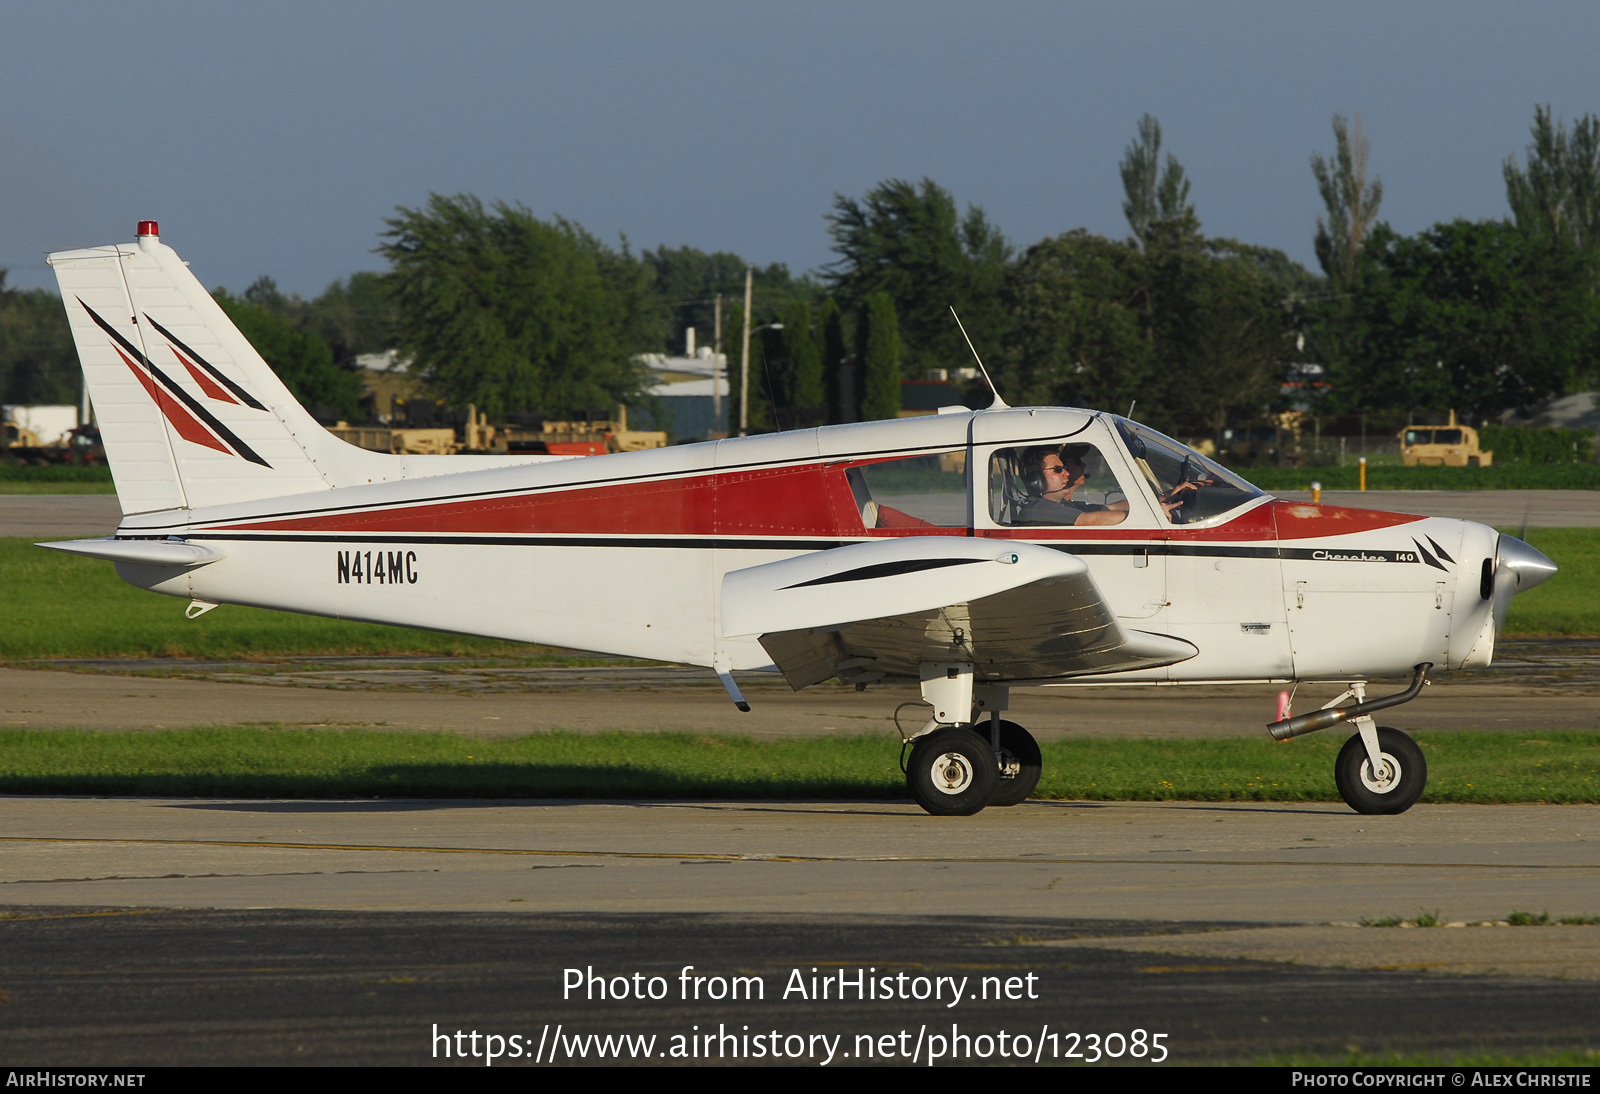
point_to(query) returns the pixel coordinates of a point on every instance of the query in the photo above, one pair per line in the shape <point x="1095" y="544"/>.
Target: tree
<point x="802" y="362"/>
<point x="760" y="401"/>
<point x="1472" y="316"/>
<point x="1079" y="335"/>
<point x="687" y="281"/>
<point x="38" y="361"/>
<point x="498" y="308"/>
<point x="1197" y="334"/>
<point x="1350" y="200"/>
<point x="354" y="316"/>
<point x="300" y="358"/>
<point x="1156" y="198"/>
<point x="837" y="370"/>
<point x="1224" y="342"/>
<point x="1557" y="198"/>
<point x="908" y="241"/>
<point x="879" y="332"/>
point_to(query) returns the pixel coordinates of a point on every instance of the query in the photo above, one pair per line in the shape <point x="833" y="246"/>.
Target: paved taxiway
<point x="161" y="931"/>
<point x="1261" y="863"/>
<point x="98" y="987"/>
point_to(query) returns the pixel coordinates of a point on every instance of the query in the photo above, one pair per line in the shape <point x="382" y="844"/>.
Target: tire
<point x="952" y="772"/>
<point x="1016" y="746"/>
<point x="1352" y="774"/>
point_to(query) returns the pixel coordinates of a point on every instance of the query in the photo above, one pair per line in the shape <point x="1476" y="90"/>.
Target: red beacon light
<point x="148" y="228"/>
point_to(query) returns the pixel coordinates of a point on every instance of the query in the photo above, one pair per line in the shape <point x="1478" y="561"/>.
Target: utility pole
<point x="744" y="356"/>
<point x="716" y="367"/>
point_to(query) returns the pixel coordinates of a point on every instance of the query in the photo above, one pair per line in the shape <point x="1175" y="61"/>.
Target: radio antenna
<point x="999" y="403"/>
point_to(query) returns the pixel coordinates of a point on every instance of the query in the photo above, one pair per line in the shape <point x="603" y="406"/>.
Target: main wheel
<point x="1394" y="789"/>
<point x="1018" y="749"/>
<point x="952" y="772"/>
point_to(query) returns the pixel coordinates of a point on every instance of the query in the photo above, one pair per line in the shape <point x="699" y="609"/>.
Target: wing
<point x="1018" y="612"/>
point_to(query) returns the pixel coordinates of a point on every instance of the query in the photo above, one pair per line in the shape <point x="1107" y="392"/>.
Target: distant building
<point x="683" y="388"/>
<point x="919" y="397"/>
<point x="388" y="381"/>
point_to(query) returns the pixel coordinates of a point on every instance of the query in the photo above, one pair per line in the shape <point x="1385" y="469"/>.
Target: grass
<point x="1511" y="476"/>
<point x="59" y="605"/>
<point x="1569" y="603"/>
<point x="299" y="762"/>
<point x="1462" y="767"/>
<point x="9" y="486"/>
<point x="16" y="478"/>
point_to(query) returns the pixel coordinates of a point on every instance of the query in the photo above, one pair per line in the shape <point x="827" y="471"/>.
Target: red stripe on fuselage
<point x="785" y="501"/>
<point x="1302" y="520"/>
<point x="806" y="501"/>
<point x="184" y="422"/>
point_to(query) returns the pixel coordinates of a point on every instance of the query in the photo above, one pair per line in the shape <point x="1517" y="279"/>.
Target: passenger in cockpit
<point x="1051" y="475"/>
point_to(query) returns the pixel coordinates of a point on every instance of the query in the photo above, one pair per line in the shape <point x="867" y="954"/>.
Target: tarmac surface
<point x="60" y="516"/>
<point x="167" y="931"/>
<point x="128" y="989"/>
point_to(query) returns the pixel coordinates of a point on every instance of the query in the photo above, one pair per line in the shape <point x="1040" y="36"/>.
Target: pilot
<point x="1051" y="476"/>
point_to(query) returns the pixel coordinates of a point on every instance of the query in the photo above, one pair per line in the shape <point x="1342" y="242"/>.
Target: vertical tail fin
<point x="189" y="413"/>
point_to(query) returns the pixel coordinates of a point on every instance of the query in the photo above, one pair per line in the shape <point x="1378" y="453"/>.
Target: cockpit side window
<point x="1054" y="485"/>
<point x="912" y="492"/>
<point x="1188" y="486"/>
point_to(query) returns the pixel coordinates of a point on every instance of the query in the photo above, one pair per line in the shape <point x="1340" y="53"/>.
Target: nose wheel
<point x="1394" y="786"/>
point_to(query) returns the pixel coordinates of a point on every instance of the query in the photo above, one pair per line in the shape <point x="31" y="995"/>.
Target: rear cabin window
<point x="914" y="492"/>
<point x="1054" y="486"/>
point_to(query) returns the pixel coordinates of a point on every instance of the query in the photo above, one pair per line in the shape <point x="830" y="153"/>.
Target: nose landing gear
<point x="1379" y="770"/>
<point x="1397" y="783"/>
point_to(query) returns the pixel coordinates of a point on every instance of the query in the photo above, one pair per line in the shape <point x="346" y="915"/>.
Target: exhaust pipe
<point x="1322" y="719"/>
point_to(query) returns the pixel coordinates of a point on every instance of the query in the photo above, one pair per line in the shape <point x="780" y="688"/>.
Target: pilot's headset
<point x="1033" y="469"/>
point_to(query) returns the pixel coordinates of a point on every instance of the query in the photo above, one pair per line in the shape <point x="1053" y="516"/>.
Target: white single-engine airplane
<point x="972" y="551"/>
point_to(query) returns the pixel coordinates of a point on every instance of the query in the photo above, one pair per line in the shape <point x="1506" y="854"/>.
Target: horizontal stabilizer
<point x="144" y="552"/>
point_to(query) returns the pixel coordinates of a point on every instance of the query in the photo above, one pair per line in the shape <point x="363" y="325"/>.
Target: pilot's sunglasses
<point x="1061" y="469"/>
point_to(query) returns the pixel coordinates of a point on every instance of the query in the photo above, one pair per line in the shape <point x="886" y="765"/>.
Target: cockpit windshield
<point x="1188" y="486"/>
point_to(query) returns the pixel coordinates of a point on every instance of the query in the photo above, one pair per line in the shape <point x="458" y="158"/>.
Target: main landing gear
<point x="1379" y="770"/>
<point x="956" y="768"/>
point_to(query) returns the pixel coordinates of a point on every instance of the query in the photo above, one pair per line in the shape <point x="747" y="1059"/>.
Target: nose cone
<point x="1529" y="566"/>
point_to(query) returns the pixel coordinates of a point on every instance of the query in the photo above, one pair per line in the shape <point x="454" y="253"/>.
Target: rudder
<point x="189" y="412"/>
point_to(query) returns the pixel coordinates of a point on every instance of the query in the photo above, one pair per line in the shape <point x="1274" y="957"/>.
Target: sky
<point x="275" y="138"/>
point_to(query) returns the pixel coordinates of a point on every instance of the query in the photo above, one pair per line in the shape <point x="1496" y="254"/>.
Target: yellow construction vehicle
<point x="1451" y="445"/>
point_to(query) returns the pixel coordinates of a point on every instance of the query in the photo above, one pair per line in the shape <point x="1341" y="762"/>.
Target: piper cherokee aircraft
<point x="970" y="551"/>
